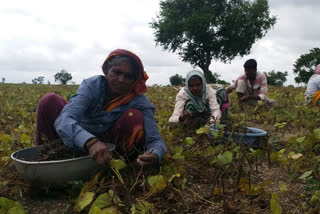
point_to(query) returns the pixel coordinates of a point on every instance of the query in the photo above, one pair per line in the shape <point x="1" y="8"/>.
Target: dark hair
<point x="117" y="60"/>
<point x="251" y="63"/>
<point x="194" y="77"/>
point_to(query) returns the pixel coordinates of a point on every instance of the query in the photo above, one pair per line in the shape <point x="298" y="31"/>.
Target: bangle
<point x="90" y="142"/>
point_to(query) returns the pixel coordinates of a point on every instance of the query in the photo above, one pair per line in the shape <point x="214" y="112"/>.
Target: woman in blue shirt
<point x="111" y="105"/>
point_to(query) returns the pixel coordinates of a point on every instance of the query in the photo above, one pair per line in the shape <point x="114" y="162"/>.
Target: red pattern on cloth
<point x="129" y="130"/>
<point x="260" y="85"/>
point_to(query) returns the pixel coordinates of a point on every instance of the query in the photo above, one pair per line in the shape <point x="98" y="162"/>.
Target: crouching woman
<point x="196" y="103"/>
<point x="109" y="108"/>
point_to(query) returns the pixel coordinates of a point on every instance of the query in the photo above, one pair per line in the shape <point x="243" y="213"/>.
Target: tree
<point x="306" y="64"/>
<point x="276" y="78"/>
<point x="202" y="30"/>
<point x="214" y="78"/>
<point x="177" y="80"/>
<point x="223" y="82"/>
<point x="3" y="80"/>
<point x="63" y="77"/>
<point x="38" y="80"/>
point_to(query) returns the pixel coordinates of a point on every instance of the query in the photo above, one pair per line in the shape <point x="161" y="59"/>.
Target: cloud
<point x="39" y="38"/>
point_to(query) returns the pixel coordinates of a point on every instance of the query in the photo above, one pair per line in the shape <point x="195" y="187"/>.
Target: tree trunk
<point x="205" y="69"/>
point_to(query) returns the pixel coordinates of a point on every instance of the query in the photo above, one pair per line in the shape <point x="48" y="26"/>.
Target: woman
<point x="312" y="94"/>
<point x="196" y="104"/>
<point x="109" y="106"/>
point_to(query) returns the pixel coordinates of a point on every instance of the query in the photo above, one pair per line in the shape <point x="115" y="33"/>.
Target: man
<point x="251" y="86"/>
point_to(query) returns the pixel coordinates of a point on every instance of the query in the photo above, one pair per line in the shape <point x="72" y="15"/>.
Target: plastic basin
<point x="253" y="138"/>
<point x="53" y="172"/>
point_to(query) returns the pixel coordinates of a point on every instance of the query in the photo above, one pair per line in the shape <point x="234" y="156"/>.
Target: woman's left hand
<point x="147" y="159"/>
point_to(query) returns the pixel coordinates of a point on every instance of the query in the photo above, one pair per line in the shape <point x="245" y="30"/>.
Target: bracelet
<point x="90" y="142"/>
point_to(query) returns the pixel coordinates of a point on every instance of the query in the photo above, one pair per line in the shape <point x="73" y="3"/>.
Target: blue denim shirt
<point x="84" y="117"/>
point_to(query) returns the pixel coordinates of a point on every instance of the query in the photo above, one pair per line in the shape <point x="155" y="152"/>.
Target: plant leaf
<point x="84" y="199"/>
<point x="110" y="210"/>
<point x="157" y="183"/>
<point x="10" y="207"/>
<point x="225" y="158"/>
<point x="189" y="141"/>
<point x="274" y="204"/>
<point x="283" y="187"/>
<point x="102" y="201"/>
<point x="203" y="130"/>
<point x="305" y="175"/>
<point x="117" y="164"/>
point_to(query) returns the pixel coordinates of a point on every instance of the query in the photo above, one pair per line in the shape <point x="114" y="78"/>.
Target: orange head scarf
<point x="139" y="86"/>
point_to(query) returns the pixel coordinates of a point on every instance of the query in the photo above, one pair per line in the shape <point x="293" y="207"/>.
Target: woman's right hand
<point x="99" y="151"/>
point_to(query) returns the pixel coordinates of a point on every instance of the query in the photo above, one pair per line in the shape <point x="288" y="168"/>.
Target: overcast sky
<point x="40" y="38"/>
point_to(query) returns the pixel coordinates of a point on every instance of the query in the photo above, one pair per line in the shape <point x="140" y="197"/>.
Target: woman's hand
<point x="147" y="159"/>
<point x="229" y="90"/>
<point x="186" y="115"/>
<point x="99" y="151"/>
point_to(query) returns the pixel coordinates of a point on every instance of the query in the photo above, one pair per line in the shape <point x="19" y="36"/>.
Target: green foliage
<point x="63" y="77"/>
<point x="213" y="78"/>
<point x="177" y="80"/>
<point x="10" y="207"/>
<point x="157" y="183"/>
<point x="103" y="203"/>
<point x="274" y="204"/>
<point x="316" y="197"/>
<point x="84" y="199"/>
<point x="224" y="168"/>
<point x="305" y="65"/>
<point x="225" y="158"/>
<point x="38" y="80"/>
<point x="276" y="78"/>
<point x="143" y="207"/>
<point x="200" y="30"/>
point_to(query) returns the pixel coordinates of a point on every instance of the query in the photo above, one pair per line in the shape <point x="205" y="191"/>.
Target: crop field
<point x="198" y="175"/>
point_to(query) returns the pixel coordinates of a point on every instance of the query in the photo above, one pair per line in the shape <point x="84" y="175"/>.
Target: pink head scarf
<point x="317" y="71"/>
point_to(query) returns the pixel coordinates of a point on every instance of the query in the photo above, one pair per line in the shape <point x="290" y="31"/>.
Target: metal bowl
<point x="53" y="172"/>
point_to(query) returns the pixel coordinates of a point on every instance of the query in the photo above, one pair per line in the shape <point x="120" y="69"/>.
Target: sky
<point x="42" y="37"/>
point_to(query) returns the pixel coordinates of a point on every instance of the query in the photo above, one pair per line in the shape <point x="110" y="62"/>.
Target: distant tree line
<point x="276" y="78"/>
<point x="305" y="65"/>
<point x="63" y="77"/>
